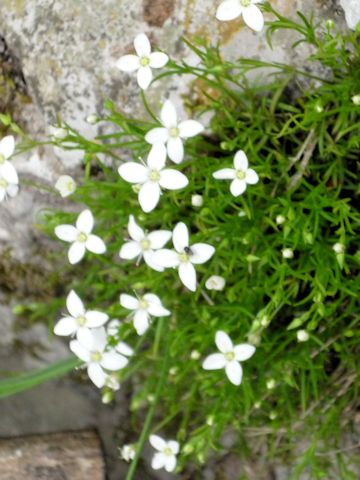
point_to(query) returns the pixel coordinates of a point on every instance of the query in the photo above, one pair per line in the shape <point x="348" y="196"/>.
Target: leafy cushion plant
<point x="263" y="341"/>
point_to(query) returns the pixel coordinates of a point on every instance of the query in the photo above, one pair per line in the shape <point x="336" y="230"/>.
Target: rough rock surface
<point x="352" y="12"/>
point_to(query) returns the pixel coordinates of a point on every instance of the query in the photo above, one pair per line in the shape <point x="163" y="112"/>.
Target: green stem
<point x="150" y="415"/>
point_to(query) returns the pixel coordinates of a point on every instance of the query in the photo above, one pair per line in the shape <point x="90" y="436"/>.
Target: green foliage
<point x="301" y="133"/>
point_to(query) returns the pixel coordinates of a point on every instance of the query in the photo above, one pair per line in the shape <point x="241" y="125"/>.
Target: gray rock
<point x="352" y="12"/>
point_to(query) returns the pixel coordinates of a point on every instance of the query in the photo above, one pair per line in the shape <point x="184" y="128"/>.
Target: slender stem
<point x="149" y="417"/>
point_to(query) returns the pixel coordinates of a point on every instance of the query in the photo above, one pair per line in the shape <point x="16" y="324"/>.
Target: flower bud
<point x="195" y="355"/>
<point x="92" y="119"/>
<point x="197" y="200"/>
<point x="280" y="219"/>
<point x="287" y="253"/>
<point x="58" y="133"/>
<point x="270" y="384"/>
<point x="339" y="248"/>
<point x="215" y="282"/>
<point x="127" y="452"/>
<point x="302" y="336"/>
<point x="356" y="100"/>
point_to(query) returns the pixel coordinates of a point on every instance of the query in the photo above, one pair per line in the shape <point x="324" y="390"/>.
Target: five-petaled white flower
<point x="79" y="321"/>
<point x="229" y="357"/>
<point x="240" y="175"/>
<point x="8" y="175"/>
<point x="143" y="244"/>
<point x="184" y="256"/>
<point x="165" y="457"/>
<point x="65" y="185"/>
<point x="152" y="177"/>
<point x="143" y="307"/>
<point x="96" y="357"/>
<point x="80" y="237"/>
<point x="173" y="132"/>
<point x="143" y="62"/>
<point x="252" y="15"/>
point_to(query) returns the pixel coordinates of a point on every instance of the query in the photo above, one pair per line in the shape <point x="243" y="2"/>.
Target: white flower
<point x="143" y="245"/>
<point x="96" y="357"/>
<point x="112" y="382"/>
<point x="338" y="248"/>
<point x="128" y="452"/>
<point x="197" y="201"/>
<point x="79" y="321"/>
<point x="252" y="15"/>
<point x="240" y="175"/>
<point x="165" y="457"/>
<point x="112" y="328"/>
<point x="149" y="304"/>
<point x="8" y="173"/>
<point x="302" y="336"/>
<point x="80" y="237"/>
<point x="229" y="357"/>
<point x="215" y="282"/>
<point x="152" y="177"/>
<point x="173" y="132"/>
<point x="65" y="185"/>
<point x="143" y="62"/>
<point x="287" y="253"/>
<point x="184" y="256"/>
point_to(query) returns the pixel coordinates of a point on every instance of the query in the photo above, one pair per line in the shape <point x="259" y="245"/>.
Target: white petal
<point x="99" y="339"/>
<point x="149" y="196"/>
<point x="67" y="233"/>
<point x="95" y="245"/>
<point x="168" y="115"/>
<point x="129" y="302"/>
<point x="253" y="17"/>
<point x="228" y="10"/>
<point x="170" y="463"/>
<point x="201" y="252"/>
<point x="142" y="45"/>
<point x="133" y="172"/>
<point x="2" y="194"/>
<point x="12" y="190"/>
<point x="241" y="161"/>
<point x="135" y="232"/>
<point x="215" y="361"/>
<point x="157" y="442"/>
<point x="9" y="173"/>
<point x="225" y="174"/>
<point x="157" y="135"/>
<point x="124" y="349"/>
<point x="157" y="310"/>
<point x="144" y="77"/>
<point x="251" y="176"/>
<point x="158" y="59"/>
<point x="74" y="305"/>
<point x="175" y="447"/>
<point x="85" y="222"/>
<point x="95" y="319"/>
<point x="66" y="326"/>
<point x="175" y="149"/>
<point x="113" y="361"/>
<point x="85" y="337"/>
<point x="243" y="351"/>
<point x="234" y="372"/>
<point x="96" y="374"/>
<point x="159" y="238"/>
<point x="7" y="146"/>
<point x="187" y="274"/>
<point x="172" y="179"/>
<point x="180" y="237"/>
<point x="166" y="258"/>
<point x="157" y="157"/>
<point x="237" y="187"/>
<point x="141" y="322"/>
<point x="190" y="128"/>
<point x="223" y="342"/>
<point x="128" y="63"/>
<point x="76" y="252"/>
<point x="149" y="260"/>
<point x="130" y="250"/>
<point x="158" y="461"/>
<point x="80" y="351"/>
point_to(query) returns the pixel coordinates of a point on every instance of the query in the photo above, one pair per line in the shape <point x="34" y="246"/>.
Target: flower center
<point x="184" y="257"/>
<point x="144" y="61"/>
<point x="96" y="356"/>
<point x="245" y="3"/>
<point x="3" y="183"/>
<point x="240" y="174"/>
<point x="168" y="452"/>
<point x="143" y="304"/>
<point x="145" y="244"/>
<point x="2" y="158"/>
<point x="70" y="186"/>
<point x="154" y="175"/>
<point x="82" y="237"/>
<point x="229" y="356"/>
<point x="81" y="320"/>
<point x="174" y="132"/>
